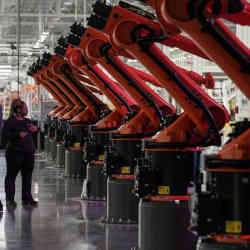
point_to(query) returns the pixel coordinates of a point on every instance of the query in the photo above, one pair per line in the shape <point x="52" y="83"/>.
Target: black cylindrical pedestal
<point x="78" y="169"/>
<point x="46" y="144"/>
<point x="94" y="186"/>
<point x="52" y="146"/>
<point x="93" y="210"/>
<point x="122" y="205"/>
<point x="163" y="225"/>
<point x="120" y="236"/>
<point x="49" y="148"/>
<point x="67" y="170"/>
<point x="74" y="166"/>
<point x="210" y="244"/>
<point x="60" y="155"/>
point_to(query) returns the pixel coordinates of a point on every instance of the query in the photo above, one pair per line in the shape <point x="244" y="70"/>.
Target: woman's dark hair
<point x="16" y="108"/>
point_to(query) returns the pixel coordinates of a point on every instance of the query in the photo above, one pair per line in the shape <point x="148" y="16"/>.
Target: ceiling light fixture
<point x="68" y="3"/>
<point x="41" y="39"/>
<point x="43" y="36"/>
<point x="5" y="67"/>
<point x="5" y="72"/>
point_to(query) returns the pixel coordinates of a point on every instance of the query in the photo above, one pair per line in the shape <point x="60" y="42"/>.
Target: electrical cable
<point x="174" y="75"/>
<point x="130" y="110"/>
<point x="104" y="51"/>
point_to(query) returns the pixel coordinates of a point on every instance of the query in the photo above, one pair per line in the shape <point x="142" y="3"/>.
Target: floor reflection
<point x="106" y="236"/>
<point x="109" y="237"/>
<point x="18" y="229"/>
<point x="61" y="221"/>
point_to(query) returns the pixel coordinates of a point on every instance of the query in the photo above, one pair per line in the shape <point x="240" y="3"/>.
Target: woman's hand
<point x="32" y="128"/>
<point x="23" y="134"/>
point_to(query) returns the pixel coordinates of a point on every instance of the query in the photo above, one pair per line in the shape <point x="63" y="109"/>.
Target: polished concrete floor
<point x="61" y="221"/>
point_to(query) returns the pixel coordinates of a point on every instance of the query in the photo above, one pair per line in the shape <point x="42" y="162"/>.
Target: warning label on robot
<point x="125" y="170"/>
<point x="101" y="157"/>
<point x="233" y="226"/>
<point x="164" y="190"/>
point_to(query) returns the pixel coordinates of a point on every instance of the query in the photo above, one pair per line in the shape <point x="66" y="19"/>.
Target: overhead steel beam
<point x="4" y="45"/>
<point x="60" y="15"/>
<point x="22" y="55"/>
<point x="18" y="41"/>
<point x="58" y="6"/>
<point x="13" y="39"/>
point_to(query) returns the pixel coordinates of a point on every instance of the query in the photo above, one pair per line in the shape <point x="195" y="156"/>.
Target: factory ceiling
<point x="34" y="29"/>
<point x="41" y="22"/>
<point x="29" y="27"/>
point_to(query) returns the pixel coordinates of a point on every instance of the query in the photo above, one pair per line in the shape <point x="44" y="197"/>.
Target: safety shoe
<point x="11" y="204"/>
<point x="30" y="203"/>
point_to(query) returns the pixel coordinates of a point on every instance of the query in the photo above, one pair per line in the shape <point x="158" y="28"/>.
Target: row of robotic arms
<point x="142" y="137"/>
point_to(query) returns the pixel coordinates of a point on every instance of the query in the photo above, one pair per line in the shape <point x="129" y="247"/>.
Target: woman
<point x="17" y="136"/>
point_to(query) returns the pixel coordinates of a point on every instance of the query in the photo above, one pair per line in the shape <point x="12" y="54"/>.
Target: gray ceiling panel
<point x="42" y="22"/>
<point x="51" y="17"/>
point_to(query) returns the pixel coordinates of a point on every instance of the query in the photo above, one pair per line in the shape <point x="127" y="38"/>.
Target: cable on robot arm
<point x="236" y="11"/>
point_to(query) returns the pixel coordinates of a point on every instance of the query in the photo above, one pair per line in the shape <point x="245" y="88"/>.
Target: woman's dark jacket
<point x="11" y="139"/>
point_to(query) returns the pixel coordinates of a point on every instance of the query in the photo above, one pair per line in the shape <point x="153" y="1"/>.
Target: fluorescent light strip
<point x="68" y="3"/>
<point x="8" y="67"/>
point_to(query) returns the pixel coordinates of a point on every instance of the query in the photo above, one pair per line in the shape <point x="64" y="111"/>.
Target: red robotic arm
<point x="48" y="74"/>
<point x="207" y="80"/>
<point x="92" y="41"/>
<point x="79" y="94"/>
<point x="201" y="21"/>
<point x="237" y="11"/>
<point x="40" y="74"/>
<point x="200" y="117"/>
<point x="95" y="107"/>
<point x="61" y="104"/>
<point x="119" y="98"/>
<point x="220" y="44"/>
<point x="70" y="110"/>
<point x="86" y="82"/>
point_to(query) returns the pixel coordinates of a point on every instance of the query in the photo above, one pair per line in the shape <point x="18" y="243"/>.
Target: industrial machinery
<point x="225" y="224"/>
<point x="60" y="125"/>
<point x="94" y="187"/>
<point x="78" y="127"/>
<point x="83" y="100"/>
<point x="64" y="103"/>
<point x="54" y="118"/>
<point x="126" y="142"/>
<point x="163" y="185"/>
<point x="49" y="72"/>
<point x="93" y="104"/>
